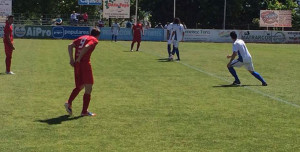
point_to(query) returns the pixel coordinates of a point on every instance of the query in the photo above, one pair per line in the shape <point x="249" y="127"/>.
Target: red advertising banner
<point x="275" y="18"/>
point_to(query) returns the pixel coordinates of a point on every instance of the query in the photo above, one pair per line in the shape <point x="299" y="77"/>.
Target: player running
<point x="137" y="31"/>
<point x="84" y="46"/>
<point x="8" y="42"/>
<point x="244" y="59"/>
<point x="115" y="28"/>
<point x="177" y="36"/>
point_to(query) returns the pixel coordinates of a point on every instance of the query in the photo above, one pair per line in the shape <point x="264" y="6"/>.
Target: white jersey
<point x="115" y="28"/>
<point x="239" y="46"/>
<point x="169" y="28"/>
<point x="179" y="31"/>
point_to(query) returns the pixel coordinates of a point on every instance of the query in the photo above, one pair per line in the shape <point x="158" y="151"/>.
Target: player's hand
<point x="13" y="48"/>
<point x="77" y="60"/>
<point x="72" y="62"/>
<point x="228" y="56"/>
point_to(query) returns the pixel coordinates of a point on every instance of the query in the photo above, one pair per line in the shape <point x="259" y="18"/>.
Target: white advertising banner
<point x="275" y="18"/>
<point x="116" y="8"/>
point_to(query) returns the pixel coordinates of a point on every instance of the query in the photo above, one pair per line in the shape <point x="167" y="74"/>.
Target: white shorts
<point x="176" y="43"/>
<point x="170" y="41"/>
<point x="237" y="63"/>
<point x="115" y="32"/>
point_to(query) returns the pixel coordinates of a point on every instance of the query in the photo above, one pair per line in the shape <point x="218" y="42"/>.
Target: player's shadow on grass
<point x="2" y="73"/>
<point x="163" y="60"/>
<point x="230" y="85"/>
<point x="59" y="120"/>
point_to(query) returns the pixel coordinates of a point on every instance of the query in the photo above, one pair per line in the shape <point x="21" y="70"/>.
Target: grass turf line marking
<point x="221" y="78"/>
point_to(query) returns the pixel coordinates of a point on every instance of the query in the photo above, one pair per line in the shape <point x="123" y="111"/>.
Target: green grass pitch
<point x="146" y="104"/>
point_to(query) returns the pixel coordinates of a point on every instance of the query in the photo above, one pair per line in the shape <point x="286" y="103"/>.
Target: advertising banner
<point x="292" y="36"/>
<point x="89" y="2"/>
<point x="275" y="18"/>
<point x="69" y="32"/>
<point x="116" y="9"/>
<point x="32" y="31"/>
<point x="126" y="34"/>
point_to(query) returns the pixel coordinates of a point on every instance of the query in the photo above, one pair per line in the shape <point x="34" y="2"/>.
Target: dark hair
<point x="233" y="35"/>
<point x="176" y="21"/>
<point x="10" y="16"/>
<point x="95" y="32"/>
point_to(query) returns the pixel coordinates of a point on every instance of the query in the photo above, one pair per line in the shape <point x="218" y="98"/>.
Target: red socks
<point x="73" y="95"/>
<point x="86" y="102"/>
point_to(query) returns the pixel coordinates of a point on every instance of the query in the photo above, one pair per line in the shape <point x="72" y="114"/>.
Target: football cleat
<point x="264" y="84"/>
<point x="236" y="83"/>
<point x="10" y="72"/>
<point x="68" y="109"/>
<point x="88" y="114"/>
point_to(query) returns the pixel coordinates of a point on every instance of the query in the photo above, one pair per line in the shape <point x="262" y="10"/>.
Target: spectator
<point x="166" y="26"/>
<point x="58" y="20"/>
<point x="159" y="25"/>
<point x="74" y="19"/>
<point x="100" y="24"/>
<point x="85" y="17"/>
<point x="128" y="24"/>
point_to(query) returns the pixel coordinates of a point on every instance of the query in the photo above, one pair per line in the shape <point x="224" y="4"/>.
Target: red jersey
<point x="81" y="42"/>
<point x="8" y="30"/>
<point x="137" y="30"/>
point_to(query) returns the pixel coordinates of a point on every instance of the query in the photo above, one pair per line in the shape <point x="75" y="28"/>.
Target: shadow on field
<point x="163" y="60"/>
<point x="230" y="85"/>
<point x="59" y="120"/>
<point x="2" y="73"/>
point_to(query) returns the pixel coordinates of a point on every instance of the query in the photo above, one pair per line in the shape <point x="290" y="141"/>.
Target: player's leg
<point x="116" y="37"/>
<point x="234" y="63"/>
<point x="132" y="45"/>
<point x="88" y="85"/>
<point x="250" y="68"/>
<point x="112" y="37"/>
<point x="86" y="100"/>
<point x="73" y="95"/>
<point x="8" y="53"/>
<point x="138" y="45"/>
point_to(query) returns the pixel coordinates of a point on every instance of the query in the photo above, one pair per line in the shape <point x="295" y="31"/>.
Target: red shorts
<point x="137" y="38"/>
<point x="83" y="74"/>
<point x="8" y="49"/>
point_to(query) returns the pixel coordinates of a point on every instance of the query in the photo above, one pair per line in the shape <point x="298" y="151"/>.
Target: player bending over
<point x="244" y="59"/>
<point x="84" y="46"/>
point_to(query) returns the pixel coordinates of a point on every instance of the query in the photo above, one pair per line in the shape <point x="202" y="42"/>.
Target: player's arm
<point x="83" y="51"/>
<point x="182" y="36"/>
<point x="168" y="34"/>
<point x="70" y="49"/>
<point x="9" y="42"/>
<point x="143" y="31"/>
<point x="234" y="54"/>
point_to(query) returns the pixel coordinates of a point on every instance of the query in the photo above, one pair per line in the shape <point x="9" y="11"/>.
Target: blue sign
<point x="69" y="32"/>
<point x="89" y="2"/>
<point x="126" y="34"/>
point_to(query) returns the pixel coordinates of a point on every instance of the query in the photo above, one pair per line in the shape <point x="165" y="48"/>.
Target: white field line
<point x="221" y="78"/>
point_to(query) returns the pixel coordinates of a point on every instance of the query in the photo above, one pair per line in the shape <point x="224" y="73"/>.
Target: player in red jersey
<point x="8" y="42"/>
<point x="84" y="46"/>
<point x="137" y="31"/>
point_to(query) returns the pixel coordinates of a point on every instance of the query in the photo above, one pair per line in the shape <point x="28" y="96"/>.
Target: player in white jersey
<point x="169" y="34"/>
<point x="177" y="36"/>
<point x="115" y="28"/>
<point x="244" y="59"/>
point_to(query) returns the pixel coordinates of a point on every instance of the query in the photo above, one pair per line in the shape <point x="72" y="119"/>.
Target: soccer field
<point x="144" y="103"/>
